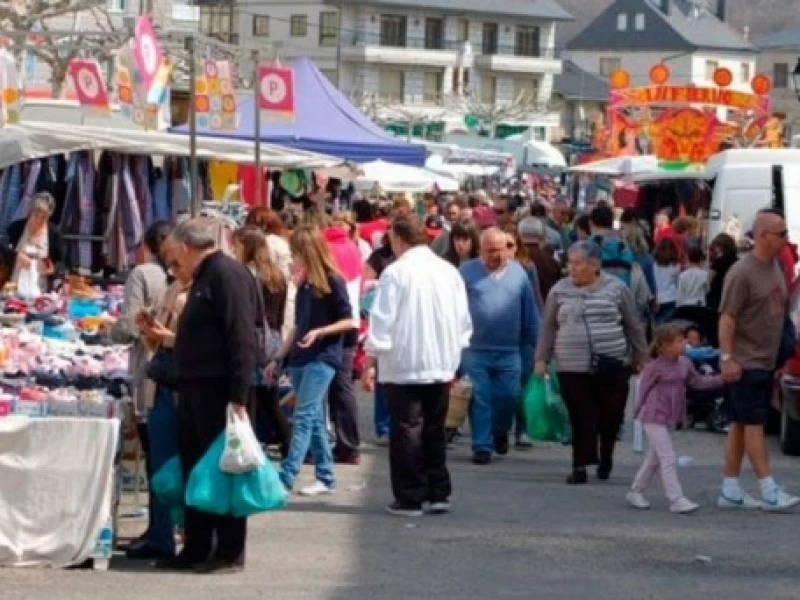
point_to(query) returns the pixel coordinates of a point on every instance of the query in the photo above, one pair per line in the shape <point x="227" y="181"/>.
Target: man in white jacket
<point x="418" y="327"/>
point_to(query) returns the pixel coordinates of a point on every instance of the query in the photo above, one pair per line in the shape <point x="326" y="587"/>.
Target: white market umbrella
<point x="391" y="177"/>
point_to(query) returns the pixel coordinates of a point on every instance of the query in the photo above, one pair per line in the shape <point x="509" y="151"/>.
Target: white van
<point x="746" y="181"/>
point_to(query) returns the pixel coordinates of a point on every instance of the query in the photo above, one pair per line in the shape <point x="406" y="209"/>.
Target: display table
<point x="56" y="489"/>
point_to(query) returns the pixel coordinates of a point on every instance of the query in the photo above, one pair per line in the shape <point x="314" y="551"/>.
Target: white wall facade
<point x="784" y="97"/>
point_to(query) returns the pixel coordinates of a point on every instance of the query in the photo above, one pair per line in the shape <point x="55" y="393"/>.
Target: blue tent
<point x="325" y="122"/>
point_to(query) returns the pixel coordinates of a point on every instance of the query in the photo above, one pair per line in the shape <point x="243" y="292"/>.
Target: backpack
<point x="616" y="258"/>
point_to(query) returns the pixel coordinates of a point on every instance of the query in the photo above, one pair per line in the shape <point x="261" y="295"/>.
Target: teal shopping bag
<point x="536" y="407"/>
<point x="260" y="490"/>
<point x="167" y="483"/>
<point x="208" y="488"/>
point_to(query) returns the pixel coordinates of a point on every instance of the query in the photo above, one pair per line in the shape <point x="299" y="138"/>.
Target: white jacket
<point x="419" y="322"/>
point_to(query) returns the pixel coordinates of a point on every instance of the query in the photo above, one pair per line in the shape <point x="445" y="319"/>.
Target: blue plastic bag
<point x="258" y="491"/>
<point x="167" y="483"/>
<point x="208" y="488"/>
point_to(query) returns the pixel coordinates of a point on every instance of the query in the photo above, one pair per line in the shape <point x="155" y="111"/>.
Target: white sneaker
<point x="744" y="502"/>
<point x="317" y="489"/>
<point x="439" y="508"/>
<point x="401" y="511"/>
<point x="684" y="506"/>
<point x="637" y="500"/>
<point x="779" y="502"/>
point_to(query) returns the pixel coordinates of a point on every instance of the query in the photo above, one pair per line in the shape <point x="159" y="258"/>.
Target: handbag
<point x="161" y="369"/>
<point x="601" y="365"/>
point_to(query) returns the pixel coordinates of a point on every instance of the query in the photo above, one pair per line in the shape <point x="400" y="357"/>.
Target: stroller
<point x="708" y="406"/>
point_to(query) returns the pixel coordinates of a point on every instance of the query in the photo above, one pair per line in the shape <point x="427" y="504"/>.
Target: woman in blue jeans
<point x="322" y="316"/>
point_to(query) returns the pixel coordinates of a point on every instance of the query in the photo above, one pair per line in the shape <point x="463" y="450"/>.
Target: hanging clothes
<point x="221" y="174"/>
<point x="161" y="205"/>
<point x="247" y="192"/>
<point x="31" y="174"/>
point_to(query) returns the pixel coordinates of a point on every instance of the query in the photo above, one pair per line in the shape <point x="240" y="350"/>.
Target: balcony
<point x="509" y="59"/>
<point x="431" y="52"/>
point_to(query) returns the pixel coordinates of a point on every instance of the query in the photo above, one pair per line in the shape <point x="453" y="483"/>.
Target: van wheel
<point x="790" y="433"/>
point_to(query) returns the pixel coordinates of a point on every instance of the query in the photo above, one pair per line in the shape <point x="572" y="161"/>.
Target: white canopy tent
<point x="459" y="171"/>
<point x="391" y="177"/>
<point x="619" y="166"/>
<point x="27" y="141"/>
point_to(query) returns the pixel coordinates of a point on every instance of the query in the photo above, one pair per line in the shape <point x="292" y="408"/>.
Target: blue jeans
<point x="382" y="416"/>
<point x="162" y="433"/>
<point x="310" y="385"/>
<point x="496" y="376"/>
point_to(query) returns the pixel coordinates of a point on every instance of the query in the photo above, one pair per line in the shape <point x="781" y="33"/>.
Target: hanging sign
<point x="147" y="52"/>
<point x="276" y="92"/>
<point x="10" y="92"/>
<point x="88" y="83"/>
<point x="158" y="89"/>
<point x="215" y="99"/>
<point x="132" y="97"/>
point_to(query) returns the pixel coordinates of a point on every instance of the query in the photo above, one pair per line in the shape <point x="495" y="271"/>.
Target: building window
<point x="745" y="72"/>
<point x="117" y="6"/>
<point x="780" y="76"/>
<point x="527" y="41"/>
<point x="390" y="85"/>
<point x="711" y="67"/>
<point x="432" y="88"/>
<point x="328" y="28"/>
<point x="393" y="30"/>
<point x="260" y="26"/>
<point x="490" y="38"/>
<point x="462" y="30"/>
<point x="488" y="90"/>
<point x="639" y="23"/>
<point x="622" y="22"/>
<point x="434" y="34"/>
<point x="526" y="91"/>
<point x="608" y="65"/>
<point x="299" y="25"/>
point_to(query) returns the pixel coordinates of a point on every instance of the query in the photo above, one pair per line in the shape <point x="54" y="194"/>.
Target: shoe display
<point x="317" y="489"/>
<point x="398" y="510"/>
<point x="637" y="500"/>
<point x="482" y="458"/>
<point x="684" y="506"/>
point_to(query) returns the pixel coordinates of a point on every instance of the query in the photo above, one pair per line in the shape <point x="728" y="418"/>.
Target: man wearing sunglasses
<point x="753" y="313"/>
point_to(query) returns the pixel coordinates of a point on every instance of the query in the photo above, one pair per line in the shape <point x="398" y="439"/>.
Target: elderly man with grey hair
<point x="215" y="352"/>
<point x="590" y="325"/>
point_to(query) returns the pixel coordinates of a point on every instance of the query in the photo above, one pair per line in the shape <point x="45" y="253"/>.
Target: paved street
<point x="517" y="531"/>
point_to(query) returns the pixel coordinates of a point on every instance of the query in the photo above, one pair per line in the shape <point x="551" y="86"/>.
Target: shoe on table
<point x="501" y="443"/>
<point x="684" y="506"/>
<point x="398" y="510"/>
<point x="744" y="501"/>
<point x="482" y="457"/>
<point x="442" y="507"/>
<point x="219" y="566"/>
<point x="779" y="501"/>
<point x="577" y="477"/>
<point x="637" y="500"/>
<point x="317" y="489"/>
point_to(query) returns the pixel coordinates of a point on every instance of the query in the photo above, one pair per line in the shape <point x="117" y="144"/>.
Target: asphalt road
<point x="516" y="531"/>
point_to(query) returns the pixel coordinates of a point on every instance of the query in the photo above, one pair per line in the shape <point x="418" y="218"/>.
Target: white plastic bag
<point x="242" y="451"/>
<point x="28" y="282"/>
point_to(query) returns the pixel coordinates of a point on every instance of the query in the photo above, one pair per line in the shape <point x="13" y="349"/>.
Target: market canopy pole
<point x="193" y="175"/>
<point x="257" y="120"/>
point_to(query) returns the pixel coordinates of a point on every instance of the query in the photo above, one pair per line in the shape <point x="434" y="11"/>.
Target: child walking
<point x="693" y="282"/>
<point x="660" y="406"/>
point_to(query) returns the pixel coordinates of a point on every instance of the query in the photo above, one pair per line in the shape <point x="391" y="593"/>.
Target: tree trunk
<point x="58" y="77"/>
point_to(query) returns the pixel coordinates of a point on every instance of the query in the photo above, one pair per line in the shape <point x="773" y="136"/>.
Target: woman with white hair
<point x="591" y="328"/>
<point x="37" y="245"/>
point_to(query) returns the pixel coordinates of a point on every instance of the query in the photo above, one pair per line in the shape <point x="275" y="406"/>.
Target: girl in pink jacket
<point x="661" y="405"/>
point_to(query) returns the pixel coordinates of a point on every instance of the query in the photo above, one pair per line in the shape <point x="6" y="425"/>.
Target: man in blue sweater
<point x="504" y="317"/>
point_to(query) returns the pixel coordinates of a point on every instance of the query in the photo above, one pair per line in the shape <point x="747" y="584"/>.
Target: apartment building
<point x="780" y="58"/>
<point x="425" y="62"/>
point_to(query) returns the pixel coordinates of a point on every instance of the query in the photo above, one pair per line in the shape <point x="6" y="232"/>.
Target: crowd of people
<point x="490" y="288"/>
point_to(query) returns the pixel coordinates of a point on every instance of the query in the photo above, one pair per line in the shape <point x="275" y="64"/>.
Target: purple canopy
<point x="325" y="122"/>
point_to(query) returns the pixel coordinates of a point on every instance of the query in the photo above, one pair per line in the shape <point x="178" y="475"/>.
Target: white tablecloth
<point x="55" y="488"/>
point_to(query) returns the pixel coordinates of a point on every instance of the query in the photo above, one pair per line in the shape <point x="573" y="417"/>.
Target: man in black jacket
<point x="215" y="358"/>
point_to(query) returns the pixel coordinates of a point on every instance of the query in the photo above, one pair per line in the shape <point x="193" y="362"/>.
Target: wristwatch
<point x="725" y="358"/>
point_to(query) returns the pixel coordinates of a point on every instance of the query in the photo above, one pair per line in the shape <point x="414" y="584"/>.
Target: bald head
<point x="494" y="248"/>
<point x="769" y="235"/>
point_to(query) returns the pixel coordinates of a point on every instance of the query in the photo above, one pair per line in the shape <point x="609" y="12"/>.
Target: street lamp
<point x="796" y="79"/>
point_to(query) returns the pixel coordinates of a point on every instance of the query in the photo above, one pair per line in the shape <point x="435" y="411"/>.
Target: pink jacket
<point x="662" y="390"/>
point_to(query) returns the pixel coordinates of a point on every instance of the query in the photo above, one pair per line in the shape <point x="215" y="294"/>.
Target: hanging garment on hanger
<point x="131" y="218"/>
<point x="86" y="178"/>
<point x="69" y="215"/>
<point x="5" y="176"/>
<point x="221" y="174"/>
<point x="161" y="206"/>
<point x="13" y="196"/>
<point x="180" y="189"/>
<point x="29" y="188"/>
<point x="141" y="180"/>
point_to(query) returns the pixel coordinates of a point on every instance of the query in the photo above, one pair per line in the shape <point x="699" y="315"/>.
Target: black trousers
<point x="417" y="444"/>
<point x="201" y="419"/>
<point x="268" y="418"/>
<point x="596" y="409"/>
<point x="343" y="404"/>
